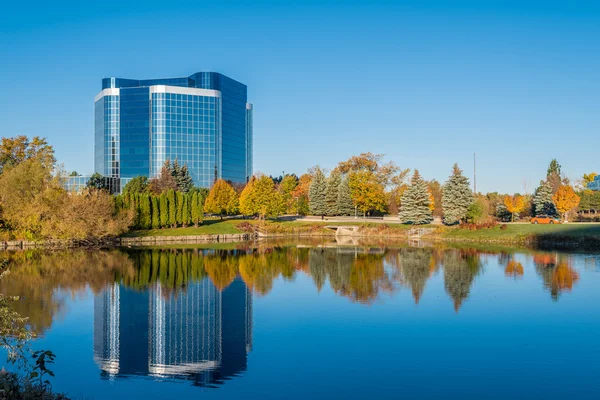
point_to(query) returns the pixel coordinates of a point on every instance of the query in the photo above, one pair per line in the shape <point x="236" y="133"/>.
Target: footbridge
<point x="344" y="230"/>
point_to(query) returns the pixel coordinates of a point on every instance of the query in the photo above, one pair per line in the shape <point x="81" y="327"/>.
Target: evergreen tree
<point x="196" y="209"/>
<point x="185" y="183"/>
<point x="316" y="194"/>
<point x="345" y="205"/>
<point x="331" y="194"/>
<point x="457" y="197"/>
<point x="186" y="210"/>
<point x="542" y="200"/>
<point x="155" y="213"/>
<point x="172" y="200"/>
<point x="179" y="215"/>
<point x="145" y="212"/>
<point x="414" y="205"/>
<point x="164" y="210"/>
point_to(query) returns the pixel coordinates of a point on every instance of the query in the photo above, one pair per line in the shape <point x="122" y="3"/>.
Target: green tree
<point x="172" y="200"/>
<point x="186" y="214"/>
<point x="415" y="202"/>
<point x="317" y="193"/>
<point x="222" y="199"/>
<point x="164" y="210"/>
<point x="331" y="194"/>
<point x="182" y="177"/>
<point x="145" y="211"/>
<point x="139" y="184"/>
<point x="180" y="206"/>
<point x="155" y="213"/>
<point x="196" y="209"/>
<point x="73" y="173"/>
<point x="553" y="176"/>
<point x="456" y="197"/>
<point x="99" y="182"/>
<point x="345" y="205"/>
<point x="542" y="200"/>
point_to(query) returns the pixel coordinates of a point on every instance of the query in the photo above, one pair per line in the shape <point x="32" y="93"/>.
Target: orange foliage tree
<point x="514" y="204"/>
<point x="565" y="200"/>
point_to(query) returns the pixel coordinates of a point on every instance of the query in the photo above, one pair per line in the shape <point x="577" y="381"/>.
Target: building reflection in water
<point x="198" y="333"/>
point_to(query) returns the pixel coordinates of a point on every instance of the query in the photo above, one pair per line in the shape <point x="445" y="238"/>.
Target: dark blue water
<point x="288" y="322"/>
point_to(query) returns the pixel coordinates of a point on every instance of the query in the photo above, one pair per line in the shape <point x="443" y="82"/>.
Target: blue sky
<point x="427" y="83"/>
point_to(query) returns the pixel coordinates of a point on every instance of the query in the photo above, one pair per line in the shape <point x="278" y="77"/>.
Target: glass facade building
<point x="203" y="121"/>
<point x="595" y="185"/>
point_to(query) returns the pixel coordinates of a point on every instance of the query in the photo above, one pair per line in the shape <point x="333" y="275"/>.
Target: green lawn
<point x="208" y="227"/>
<point x="521" y="231"/>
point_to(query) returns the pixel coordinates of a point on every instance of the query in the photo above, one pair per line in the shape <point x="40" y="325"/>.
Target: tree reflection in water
<point x="359" y="273"/>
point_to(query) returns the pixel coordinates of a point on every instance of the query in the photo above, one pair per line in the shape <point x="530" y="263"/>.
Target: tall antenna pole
<point x="474" y="174"/>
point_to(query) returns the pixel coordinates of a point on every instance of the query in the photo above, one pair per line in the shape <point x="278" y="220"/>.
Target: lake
<point x="315" y="320"/>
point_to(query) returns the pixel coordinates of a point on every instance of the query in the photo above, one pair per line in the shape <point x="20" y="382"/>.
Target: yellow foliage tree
<point x="366" y="192"/>
<point x="222" y="199"/>
<point x="431" y="201"/>
<point x="261" y="197"/>
<point x="589" y="178"/>
<point x="565" y="200"/>
<point x="514" y="204"/>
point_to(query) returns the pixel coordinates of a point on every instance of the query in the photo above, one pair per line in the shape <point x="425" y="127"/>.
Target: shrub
<point x="503" y="227"/>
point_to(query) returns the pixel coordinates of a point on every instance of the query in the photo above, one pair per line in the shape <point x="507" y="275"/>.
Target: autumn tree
<point x="589" y="178"/>
<point x="222" y="199"/>
<point x="514" y="204"/>
<point x="163" y="182"/>
<point x="553" y="176"/>
<point x="366" y="192"/>
<point x="457" y="197"/>
<point x="288" y="185"/>
<point x="566" y="200"/>
<point x="15" y="150"/>
<point x="331" y="194"/>
<point x="345" y="205"/>
<point x="435" y="188"/>
<point x="414" y="206"/>
<point x="260" y="197"/>
<point x="300" y="195"/>
<point x="317" y="193"/>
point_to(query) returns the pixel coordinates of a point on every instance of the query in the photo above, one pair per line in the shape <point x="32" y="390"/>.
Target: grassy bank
<point x="567" y="235"/>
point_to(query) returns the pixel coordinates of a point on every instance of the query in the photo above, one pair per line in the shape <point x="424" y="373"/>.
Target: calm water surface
<point x="287" y="321"/>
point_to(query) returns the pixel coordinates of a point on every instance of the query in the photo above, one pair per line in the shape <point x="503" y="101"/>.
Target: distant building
<point x="595" y="185"/>
<point x="204" y="121"/>
<point x="199" y="334"/>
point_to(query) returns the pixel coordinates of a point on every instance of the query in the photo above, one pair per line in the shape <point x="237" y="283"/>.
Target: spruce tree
<point x="172" y="208"/>
<point x="316" y="194"/>
<point x="457" y="197"/>
<point x="414" y="205"/>
<point x="344" y="202"/>
<point x="184" y="180"/>
<point x="542" y="200"/>
<point x="179" y="211"/>
<point x="331" y="194"/>
<point x="164" y="210"/>
<point x="155" y="213"/>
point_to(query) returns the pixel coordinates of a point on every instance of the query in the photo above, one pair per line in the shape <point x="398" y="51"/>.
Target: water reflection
<point x="201" y="333"/>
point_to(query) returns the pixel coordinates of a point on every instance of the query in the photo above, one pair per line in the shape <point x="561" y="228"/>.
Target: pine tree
<point x="414" y="205"/>
<point x="164" y="210"/>
<point x="316" y="194"/>
<point x="457" y="197"/>
<point x="196" y="209"/>
<point x="331" y="194"/>
<point x="172" y="208"/>
<point x="542" y="200"/>
<point x="155" y="213"/>
<point x="179" y="212"/>
<point x="344" y="202"/>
